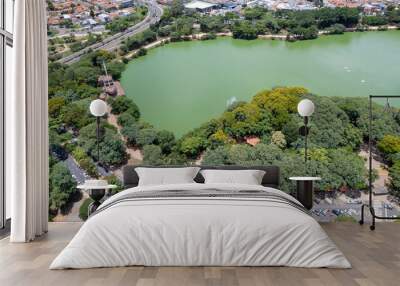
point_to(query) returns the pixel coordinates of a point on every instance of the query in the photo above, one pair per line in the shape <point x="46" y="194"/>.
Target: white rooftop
<point x="199" y="5"/>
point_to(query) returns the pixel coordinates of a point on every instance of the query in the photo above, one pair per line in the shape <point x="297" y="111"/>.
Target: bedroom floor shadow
<point x="375" y="257"/>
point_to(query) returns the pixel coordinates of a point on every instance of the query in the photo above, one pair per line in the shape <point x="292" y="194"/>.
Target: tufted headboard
<point x="271" y="179"/>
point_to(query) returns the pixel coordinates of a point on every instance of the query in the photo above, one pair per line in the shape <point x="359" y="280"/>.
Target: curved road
<point x="113" y="42"/>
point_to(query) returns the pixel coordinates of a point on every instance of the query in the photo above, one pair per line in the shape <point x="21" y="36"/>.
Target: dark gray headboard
<point x="271" y="179"/>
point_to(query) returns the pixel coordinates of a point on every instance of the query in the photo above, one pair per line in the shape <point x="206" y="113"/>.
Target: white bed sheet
<point x="200" y="232"/>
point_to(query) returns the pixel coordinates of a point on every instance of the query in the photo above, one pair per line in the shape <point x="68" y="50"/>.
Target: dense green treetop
<point x="337" y="129"/>
<point x="146" y="136"/>
<point x="112" y="148"/>
<point x="336" y="29"/>
<point x="247" y="119"/>
<point x="254" y="13"/>
<point x="375" y="20"/>
<point x="131" y="133"/>
<point x="328" y="124"/>
<point x="393" y="14"/>
<point x="61" y="186"/>
<point x="76" y="116"/>
<point x="278" y="139"/>
<point x="85" y="162"/>
<point x="389" y="144"/>
<point x="166" y="141"/>
<point x="280" y="102"/>
<point x="126" y="119"/>
<point x="220" y="138"/>
<point x="212" y="24"/>
<point x="83" y="74"/>
<point x="276" y="110"/>
<point x="115" y="69"/>
<point x="244" y="30"/>
<point x="123" y="104"/>
<point x="337" y="167"/>
<point x="394" y="181"/>
<point x="192" y="146"/>
<point x="177" y="22"/>
<point x="55" y="105"/>
<point x="357" y="110"/>
<point x="152" y="155"/>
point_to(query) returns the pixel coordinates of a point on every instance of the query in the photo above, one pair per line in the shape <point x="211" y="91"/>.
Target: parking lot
<point x="326" y="212"/>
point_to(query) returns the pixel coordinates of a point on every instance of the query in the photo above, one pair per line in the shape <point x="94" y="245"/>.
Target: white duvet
<point x="202" y="232"/>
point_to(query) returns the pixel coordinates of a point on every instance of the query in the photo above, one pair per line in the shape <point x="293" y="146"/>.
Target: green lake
<point x="181" y="85"/>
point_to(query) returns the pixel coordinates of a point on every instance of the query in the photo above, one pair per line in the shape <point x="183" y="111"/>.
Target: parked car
<point x="354" y="201"/>
<point x="319" y="212"/>
<point x="388" y="206"/>
<point x="59" y="152"/>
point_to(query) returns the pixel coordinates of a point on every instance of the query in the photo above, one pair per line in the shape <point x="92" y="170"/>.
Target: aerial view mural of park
<point x="219" y="84"/>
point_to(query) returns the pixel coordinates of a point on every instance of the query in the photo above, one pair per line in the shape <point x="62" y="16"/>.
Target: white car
<point x="354" y="201"/>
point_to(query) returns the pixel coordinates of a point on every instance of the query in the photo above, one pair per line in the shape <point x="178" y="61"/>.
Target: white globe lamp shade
<point x="98" y="108"/>
<point x="305" y="107"/>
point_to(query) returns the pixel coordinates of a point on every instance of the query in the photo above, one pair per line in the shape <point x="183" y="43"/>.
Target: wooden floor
<point x="375" y="257"/>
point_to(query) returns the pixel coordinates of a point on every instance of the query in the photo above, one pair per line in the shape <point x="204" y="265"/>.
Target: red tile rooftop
<point x="347" y="3"/>
<point x="81" y="9"/>
<point x="252" y="140"/>
<point x="53" y="21"/>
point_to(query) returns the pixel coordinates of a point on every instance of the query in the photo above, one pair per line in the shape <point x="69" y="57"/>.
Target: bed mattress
<point x="201" y="225"/>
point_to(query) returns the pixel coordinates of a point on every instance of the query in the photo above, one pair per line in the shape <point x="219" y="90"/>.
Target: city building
<point x="125" y="4"/>
<point x="201" y="6"/>
<point x="104" y="18"/>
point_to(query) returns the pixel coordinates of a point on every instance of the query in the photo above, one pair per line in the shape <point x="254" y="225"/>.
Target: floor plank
<point x="375" y="257"/>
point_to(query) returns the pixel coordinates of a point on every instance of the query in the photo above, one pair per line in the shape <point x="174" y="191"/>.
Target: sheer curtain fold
<point x="27" y="123"/>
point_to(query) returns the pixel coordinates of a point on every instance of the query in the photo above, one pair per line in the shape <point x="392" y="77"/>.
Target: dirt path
<point x="381" y="168"/>
<point x="135" y="154"/>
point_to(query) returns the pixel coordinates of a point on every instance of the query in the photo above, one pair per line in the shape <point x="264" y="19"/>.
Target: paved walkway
<point x="381" y="168"/>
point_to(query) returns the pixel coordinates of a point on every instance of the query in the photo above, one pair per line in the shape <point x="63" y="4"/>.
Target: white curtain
<point x="27" y="123"/>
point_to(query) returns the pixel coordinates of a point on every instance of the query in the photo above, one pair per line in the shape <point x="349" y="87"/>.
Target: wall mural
<point x="187" y="85"/>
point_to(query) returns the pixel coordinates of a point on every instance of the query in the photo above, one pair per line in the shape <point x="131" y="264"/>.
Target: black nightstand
<point x="305" y="190"/>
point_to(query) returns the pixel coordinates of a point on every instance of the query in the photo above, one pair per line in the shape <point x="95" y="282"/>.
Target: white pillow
<point x="248" y="177"/>
<point x="166" y="176"/>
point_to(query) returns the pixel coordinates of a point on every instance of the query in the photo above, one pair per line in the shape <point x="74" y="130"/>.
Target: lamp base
<point x="96" y="195"/>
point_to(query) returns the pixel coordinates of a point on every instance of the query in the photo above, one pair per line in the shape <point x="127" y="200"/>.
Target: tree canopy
<point x="61" y="186"/>
<point x="112" y="148"/>
<point x="389" y="144"/>
<point x="123" y="104"/>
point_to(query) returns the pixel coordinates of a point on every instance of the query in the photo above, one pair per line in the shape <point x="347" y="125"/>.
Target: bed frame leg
<point x="361" y="221"/>
<point x="372" y="226"/>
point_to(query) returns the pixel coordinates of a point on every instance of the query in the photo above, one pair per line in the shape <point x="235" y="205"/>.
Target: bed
<point x="201" y="224"/>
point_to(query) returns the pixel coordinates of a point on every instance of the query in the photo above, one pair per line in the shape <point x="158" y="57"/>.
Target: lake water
<point x="181" y="85"/>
